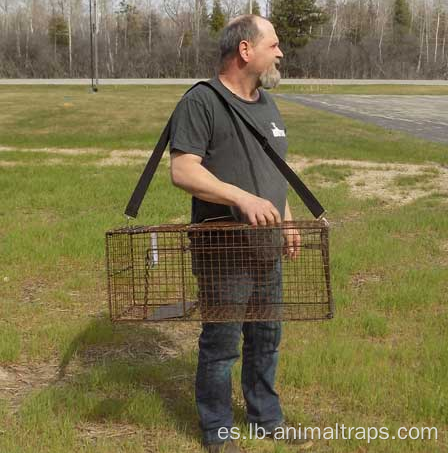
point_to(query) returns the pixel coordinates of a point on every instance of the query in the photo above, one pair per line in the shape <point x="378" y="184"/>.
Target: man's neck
<point x="243" y="87"/>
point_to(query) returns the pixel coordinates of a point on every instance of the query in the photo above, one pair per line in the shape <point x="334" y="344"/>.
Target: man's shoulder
<point x="200" y="93"/>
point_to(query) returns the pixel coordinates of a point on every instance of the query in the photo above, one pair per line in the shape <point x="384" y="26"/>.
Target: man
<point x="225" y="169"/>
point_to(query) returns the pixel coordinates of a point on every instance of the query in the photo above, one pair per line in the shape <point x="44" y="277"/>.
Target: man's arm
<point x="188" y="174"/>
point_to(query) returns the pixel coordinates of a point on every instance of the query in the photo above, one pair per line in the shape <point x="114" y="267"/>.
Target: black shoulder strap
<point x="148" y="173"/>
<point x="299" y="187"/>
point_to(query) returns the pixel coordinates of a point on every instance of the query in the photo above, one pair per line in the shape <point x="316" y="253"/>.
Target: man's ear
<point x="244" y="49"/>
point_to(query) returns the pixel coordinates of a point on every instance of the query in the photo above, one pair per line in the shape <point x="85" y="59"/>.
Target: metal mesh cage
<point x="218" y="272"/>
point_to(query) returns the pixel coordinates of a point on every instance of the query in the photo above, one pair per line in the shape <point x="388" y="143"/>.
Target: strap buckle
<point x="324" y="219"/>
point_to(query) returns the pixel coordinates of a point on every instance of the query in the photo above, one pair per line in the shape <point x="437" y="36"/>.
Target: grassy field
<point x="426" y="90"/>
<point x="72" y="382"/>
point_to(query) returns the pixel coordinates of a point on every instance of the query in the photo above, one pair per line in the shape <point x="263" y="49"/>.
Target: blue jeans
<point x="219" y="350"/>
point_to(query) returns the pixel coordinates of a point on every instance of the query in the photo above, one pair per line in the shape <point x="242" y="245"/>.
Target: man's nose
<point x="279" y="53"/>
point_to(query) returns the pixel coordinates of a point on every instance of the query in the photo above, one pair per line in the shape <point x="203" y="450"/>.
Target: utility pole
<point x="94" y="44"/>
<point x="250" y="6"/>
<point x="95" y="3"/>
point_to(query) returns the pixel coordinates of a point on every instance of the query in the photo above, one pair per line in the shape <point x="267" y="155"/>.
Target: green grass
<point x="329" y="173"/>
<point x="374" y="325"/>
<point x="422" y="90"/>
<point x="412" y="180"/>
<point x="10" y="343"/>
<point x="132" y="117"/>
<point x="113" y="118"/>
<point x="128" y="388"/>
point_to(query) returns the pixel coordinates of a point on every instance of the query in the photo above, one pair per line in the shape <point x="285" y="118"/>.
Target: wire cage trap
<point x="218" y="272"/>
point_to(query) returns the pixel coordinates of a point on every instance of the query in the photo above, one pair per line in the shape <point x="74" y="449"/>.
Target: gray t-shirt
<point x="201" y="125"/>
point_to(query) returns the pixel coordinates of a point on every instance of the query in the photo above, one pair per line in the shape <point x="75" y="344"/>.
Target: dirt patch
<point x="377" y="180"/>
<point x="120" y="158"/>
<point x="443" y="261"/>
<point x="117" y="162"/>
<point x="47" y="162"/>
<point x="93" y="432"/>
<point x="61" y="151"/>
<point x="133" y="153"/>
<point x="32" y="291"/>
<point x="360" y="279"/>
<point x="184" y="335"/>
<point x="444" y="246"/>
<point x="113" y="158"/>
<point x="137" y="350"/>
<point x="17" y="380"/>
<point x="168" y="343"/>
<point x="5" y="376"/>
<point x="6" y="163"/>
<point x="80" y="151"/>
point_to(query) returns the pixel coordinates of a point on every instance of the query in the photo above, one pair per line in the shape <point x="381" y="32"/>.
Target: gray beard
<point x="270" y="78"/>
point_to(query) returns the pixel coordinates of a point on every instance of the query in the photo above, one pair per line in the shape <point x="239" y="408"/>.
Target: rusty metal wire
<point x="218" y="272"/>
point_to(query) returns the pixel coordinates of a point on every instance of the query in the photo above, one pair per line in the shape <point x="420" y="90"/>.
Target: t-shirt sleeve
<point x="190" y="127"/>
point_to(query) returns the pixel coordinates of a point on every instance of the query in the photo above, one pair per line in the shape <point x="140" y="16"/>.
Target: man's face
<point x="266" y="56"/>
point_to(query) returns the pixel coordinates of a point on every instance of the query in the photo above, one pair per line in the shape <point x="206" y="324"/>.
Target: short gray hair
<point x="242" y="28"/>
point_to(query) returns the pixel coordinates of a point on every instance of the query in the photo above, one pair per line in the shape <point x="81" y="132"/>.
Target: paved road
<point x="423" y="116"/>
<point x="192" y="81"/>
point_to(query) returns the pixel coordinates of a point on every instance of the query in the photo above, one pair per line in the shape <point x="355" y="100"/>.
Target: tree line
<point x="405" y="39"/>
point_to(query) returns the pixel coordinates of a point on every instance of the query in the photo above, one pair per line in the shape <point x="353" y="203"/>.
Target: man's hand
<point x="292" y="243"/>
<point x="258" y="211"/>
<point x="292" y="237"/>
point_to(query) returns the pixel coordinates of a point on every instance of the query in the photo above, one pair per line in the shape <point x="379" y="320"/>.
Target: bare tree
<point x="169" y="38"/>
<point x="176" y="13"/>
<point x="231" y="8"/>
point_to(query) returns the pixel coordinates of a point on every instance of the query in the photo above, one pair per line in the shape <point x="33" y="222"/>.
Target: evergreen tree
<point x="217" y="19"/>
<point x="58" y="30"/>
<point x="402" y="18"/>
<point x="255" y="8"/>
<point x="294" y="21"/>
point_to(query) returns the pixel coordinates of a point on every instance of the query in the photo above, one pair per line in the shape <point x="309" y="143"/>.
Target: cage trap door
<point x="171" y="254"/>
<point x="148" y="274"/>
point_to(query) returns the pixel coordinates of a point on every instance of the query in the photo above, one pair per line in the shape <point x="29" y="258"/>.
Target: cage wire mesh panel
<point x="218" y="272"/>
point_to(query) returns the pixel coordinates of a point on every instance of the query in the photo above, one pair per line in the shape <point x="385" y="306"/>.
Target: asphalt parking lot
<point x="422" y="116"/>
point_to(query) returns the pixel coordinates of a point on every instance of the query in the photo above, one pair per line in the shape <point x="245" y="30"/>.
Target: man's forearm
<point x="202" y="184"/>
<point x="188" y="174"/>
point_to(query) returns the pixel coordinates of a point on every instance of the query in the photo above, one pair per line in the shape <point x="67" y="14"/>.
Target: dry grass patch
<point x="106" y="158"/>
<point x="60" y="151"/>
<point x="118" y="158"/>
<point x="361" y="278"/>
<point x="393" y="183"/>
<point x="18" y="380"/>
